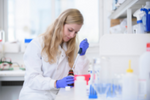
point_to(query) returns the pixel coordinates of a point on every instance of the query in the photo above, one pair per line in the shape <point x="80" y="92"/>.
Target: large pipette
<point x="79" y="52"/>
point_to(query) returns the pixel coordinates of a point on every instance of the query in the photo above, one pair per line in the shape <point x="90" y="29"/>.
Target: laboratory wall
<point x="120" y="48"/>
<point x="1" y="14"/>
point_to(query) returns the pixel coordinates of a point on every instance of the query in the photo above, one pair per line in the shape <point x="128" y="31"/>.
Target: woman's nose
<point x="72" y="34"/>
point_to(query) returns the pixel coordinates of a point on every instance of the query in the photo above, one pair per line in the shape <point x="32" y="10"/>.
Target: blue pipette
<point x="79" y="52"/>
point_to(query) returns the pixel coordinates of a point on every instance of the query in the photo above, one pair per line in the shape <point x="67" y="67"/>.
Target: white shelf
<point x="128" y="4"/>
<point x="13" y="52"/>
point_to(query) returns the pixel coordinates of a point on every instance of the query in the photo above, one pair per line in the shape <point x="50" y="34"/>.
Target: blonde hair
<point x="53" y="37"/>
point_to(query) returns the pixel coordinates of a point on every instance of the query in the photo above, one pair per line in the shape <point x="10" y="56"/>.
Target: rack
<point x="126" y="10"/>
<point x="128" y="4"/>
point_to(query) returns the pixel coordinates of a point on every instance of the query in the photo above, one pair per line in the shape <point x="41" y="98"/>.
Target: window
<point x="29" y="18"/>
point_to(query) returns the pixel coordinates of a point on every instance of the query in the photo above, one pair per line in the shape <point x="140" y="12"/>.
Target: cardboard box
<point x="115" y="22"/>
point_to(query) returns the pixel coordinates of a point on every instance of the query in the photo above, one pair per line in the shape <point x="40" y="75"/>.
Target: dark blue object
<point x="27" y="40"/>
<point x="139" y="21"/>
<point x="92" y="94"/>
<point x="147" y="23"/>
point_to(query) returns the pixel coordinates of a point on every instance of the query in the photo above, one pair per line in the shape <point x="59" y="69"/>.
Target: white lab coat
<point x="41" y="75"/>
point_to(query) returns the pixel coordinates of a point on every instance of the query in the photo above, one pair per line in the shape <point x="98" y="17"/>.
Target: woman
<point x="49" y="57"/>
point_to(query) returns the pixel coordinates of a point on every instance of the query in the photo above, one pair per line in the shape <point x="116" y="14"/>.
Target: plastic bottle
<point x="139" y="27"/>
<point x="71" y="73"/>
<point x="146" y="17"/>
<point x="144" y="74"/>
<point x="1" y="46"/>
<point x="1" y="43"/>
<point x="147" y="6"/>
<point x="130" y="85"/>
<point x="80" y="88"/>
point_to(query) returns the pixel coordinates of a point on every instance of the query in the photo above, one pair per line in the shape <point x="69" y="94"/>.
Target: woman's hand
<point x="62" y="83"/>
<point x="84" y="45"/>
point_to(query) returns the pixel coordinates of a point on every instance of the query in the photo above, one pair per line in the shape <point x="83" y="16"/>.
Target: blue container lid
<point x="139" y="21"/>
<point x="27" y="40"/>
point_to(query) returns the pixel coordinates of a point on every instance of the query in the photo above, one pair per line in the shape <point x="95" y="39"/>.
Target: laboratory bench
<point x="15" y="75"/>
<point x="64" y="94"/>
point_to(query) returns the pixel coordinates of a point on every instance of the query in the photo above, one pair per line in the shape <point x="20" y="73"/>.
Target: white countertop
<point x="69" y="95"/>
<point x="65" y="95"/>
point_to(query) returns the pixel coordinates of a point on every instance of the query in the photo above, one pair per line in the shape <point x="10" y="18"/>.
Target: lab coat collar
<point x="64" y="46"/>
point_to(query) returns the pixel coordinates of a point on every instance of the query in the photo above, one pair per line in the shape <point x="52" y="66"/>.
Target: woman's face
<point x="70" y="30"/>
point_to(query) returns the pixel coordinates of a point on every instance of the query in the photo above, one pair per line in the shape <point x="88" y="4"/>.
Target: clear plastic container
<point x="104" y="78"/>
<point x="144" y="74"/>
<point x="80" y="88"/>
<point x="2" y="38"/>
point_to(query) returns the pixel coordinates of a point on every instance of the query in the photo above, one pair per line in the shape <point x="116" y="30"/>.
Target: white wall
<point x="120" y="48"/>
<point x="107" y="11"/>
<point x="1" y="14"/>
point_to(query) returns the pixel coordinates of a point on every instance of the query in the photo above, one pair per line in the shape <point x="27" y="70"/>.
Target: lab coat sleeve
<point x="82" y="65"/>
<point x="33" y="62"/>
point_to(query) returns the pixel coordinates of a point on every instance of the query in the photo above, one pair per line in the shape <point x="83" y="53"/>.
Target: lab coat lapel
<point x="62" y="55"/>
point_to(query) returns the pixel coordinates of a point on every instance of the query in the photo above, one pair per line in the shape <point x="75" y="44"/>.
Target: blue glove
<point x="84" y="45"/>
<point x="62" y="83"/>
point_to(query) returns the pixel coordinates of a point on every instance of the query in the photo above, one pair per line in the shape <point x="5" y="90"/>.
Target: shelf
<point x="121" y="12"/>
<point x="13" y="53"/>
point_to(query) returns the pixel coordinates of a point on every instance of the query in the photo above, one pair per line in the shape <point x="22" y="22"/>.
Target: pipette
<point x="79" y="52"/>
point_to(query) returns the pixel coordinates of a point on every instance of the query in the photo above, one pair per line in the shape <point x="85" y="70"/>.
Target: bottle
<point x="1" y="46"/>
<point x="144" y="74"/>
<point x="130" y="85"/>
<point x="80" y="88"/>
<point x="71" y="73"/>
<point x="139" y="27"/>
<point x="146" y="17"/>
<point x="1" y="43"/>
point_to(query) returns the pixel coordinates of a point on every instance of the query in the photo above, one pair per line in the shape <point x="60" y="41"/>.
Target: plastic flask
<point x="92" y="84"/>
<point x="130" y="85"/>
<point x="104" y="80"/>
<point x="80" y="88"/>
<point x="144" y="74"/>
